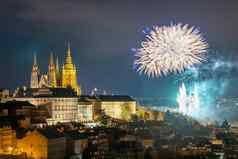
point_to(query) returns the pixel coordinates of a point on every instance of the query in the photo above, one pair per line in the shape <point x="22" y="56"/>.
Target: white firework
<point x="182" y="99"/>
<point x="170" y="49"/>
<point x="188" y="103"/>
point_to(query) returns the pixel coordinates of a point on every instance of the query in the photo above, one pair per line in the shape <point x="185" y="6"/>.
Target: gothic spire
<point x="57" y="64"/>
<point x="35" y="60"/>
<point x="69" y="57"/>
<point x="34" y="73"/>
<point x="51" y="58"/>
<point x="52" y="72"/>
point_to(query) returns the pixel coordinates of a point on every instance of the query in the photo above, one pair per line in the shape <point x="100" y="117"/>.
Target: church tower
<point x="69" y="74"/>
<point x="52" y="72"/>
<point x="58" y="75"/>
<point x="35" y="74"/>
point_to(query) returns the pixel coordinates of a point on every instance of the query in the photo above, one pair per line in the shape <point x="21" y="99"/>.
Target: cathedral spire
<point x="52" y="72"/>
<point x="57" y="64"/>
<point x="58" y="76"/>
<point x="68" y="56"/>
<point x="51" y="58"/>
<point x="35" y="60"/>
<point x="69" y="74"/>
<point x="34" y="73"/>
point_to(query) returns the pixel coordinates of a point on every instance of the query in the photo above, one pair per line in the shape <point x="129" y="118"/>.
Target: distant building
<point x="55" y="78"/>
<point x="148" y="113"/>
<point x="147" y="140"/>
<point x="115" y="106"/>
<point x="128" y="149"/>
<point x="76" y="143"/>
<point x="15" y="108"/>
<point x="22" y="114"/>
<point x="98" y="144"/>
<point x="61" y="103"/>
<point x="64" y="105"/>
<point x="217" y="147"/>
<point x="4" y="95"/>
<point x="85" y="111"/>
<point x="119" y="107"/>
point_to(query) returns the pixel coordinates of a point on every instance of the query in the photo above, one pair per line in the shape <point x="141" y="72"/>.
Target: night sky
<point x="102" y="33"/>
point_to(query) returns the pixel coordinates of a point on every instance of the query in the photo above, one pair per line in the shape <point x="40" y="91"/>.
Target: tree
<point x="125" y="112"/>
<point x="225" y="124"/>
<point x="103" y="118"/>
<point x="134" y="118"/>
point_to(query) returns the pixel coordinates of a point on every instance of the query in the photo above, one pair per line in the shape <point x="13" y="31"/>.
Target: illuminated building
<point x="69" y="75"/>
<point x="7" y="139"/>
<point x="35" y="74"/>
<point x="56" y="78"/>
<point x="71" y="107"/>
<point x="52" y="72"/>
<point x="61" y="103"/>
<point x="64" y="105"/>
<point x="115" y="106"/>
<point x="4" y="94"/>
<point x="43" y="144"/>
<point x="119" y="108"/>
<point x="43" y="83"/>
<point x="148" y="113"/>
<point x="84" y="111"/>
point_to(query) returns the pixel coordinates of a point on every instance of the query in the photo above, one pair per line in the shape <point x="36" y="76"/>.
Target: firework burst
<point x="170" y="49"/>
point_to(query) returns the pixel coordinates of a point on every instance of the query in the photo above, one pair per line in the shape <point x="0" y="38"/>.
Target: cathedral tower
<point x="52" y="72"/>
<point x="69" y="74"/>
<point x="35" y="74"/>
<point x="58" y="75"/>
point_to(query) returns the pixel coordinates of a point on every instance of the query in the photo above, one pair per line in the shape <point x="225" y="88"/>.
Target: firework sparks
<point x="170" y="49"/>
<point x="188" y="103"/>
<point x="182" y="99"/>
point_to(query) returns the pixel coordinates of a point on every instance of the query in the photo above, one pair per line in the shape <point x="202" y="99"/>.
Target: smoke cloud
<point x="214" y="81"/>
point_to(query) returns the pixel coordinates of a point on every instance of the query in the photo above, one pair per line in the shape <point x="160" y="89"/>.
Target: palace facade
<point x="64" y="105"/>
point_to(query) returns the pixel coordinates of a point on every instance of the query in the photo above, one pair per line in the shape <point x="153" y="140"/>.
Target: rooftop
<point x="51" y="133"/>
<point x="108" y="98"/>
<point x="16" y="104"/>
<point x="45" y="92"/>
<point x="75" y="135"/>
